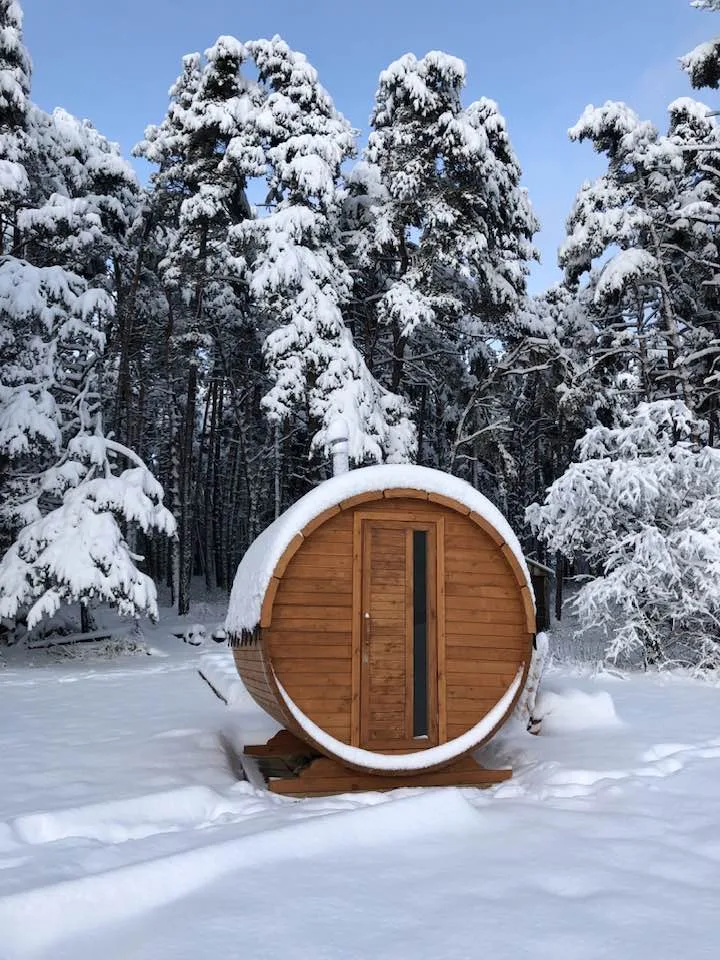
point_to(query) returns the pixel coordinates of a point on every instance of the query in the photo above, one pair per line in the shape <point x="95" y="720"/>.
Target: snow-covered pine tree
<point x="213" y="363"/>
<point x="439" y="234"/>
<point x="638" y="234"/>
<point x="297" y="280"/>
<point x="702" y="64"/>
<point x="548" y="393"/>
<point x="642" y="505"/>
<point x="15" y="72"/>
<point x="54" y="322"/>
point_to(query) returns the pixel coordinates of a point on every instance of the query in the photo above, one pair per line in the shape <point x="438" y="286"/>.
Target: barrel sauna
<point x="386" y="621"/>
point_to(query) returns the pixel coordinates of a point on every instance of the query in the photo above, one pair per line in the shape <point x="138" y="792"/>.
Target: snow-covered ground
<point x="125" y="834"/>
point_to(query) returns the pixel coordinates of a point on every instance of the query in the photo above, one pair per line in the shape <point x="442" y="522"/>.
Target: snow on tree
<point x="60" y="238"/>
<point x="702" y="64"/>
<point x="51" y="435"/>
<point x="438" y="233"/>
<point x="642" y="234"/>
<point x="210" y="341"/>
<point x="294" y="270"/>
<point x="642" y="505"/>
<point x="77" y="551"/>
<point x="15" y="70"/>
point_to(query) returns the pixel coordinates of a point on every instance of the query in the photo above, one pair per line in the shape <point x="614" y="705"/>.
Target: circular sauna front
<point x="386" y="619"/>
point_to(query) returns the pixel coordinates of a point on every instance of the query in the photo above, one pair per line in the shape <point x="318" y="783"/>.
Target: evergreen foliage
<point x="208" y="329"/>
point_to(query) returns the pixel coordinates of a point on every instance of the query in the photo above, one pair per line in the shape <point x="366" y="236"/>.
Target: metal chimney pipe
<point x="339" y="443"/>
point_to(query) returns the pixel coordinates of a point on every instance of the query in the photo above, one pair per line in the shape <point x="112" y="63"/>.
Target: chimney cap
<point x="337" y="431"/>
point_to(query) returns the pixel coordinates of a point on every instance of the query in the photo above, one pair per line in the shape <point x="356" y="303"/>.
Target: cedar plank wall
<point x="310" y="644"/>
<point x="310" y="638"/>
<point x="250" y="664"/>
<point x="486" y="634"/>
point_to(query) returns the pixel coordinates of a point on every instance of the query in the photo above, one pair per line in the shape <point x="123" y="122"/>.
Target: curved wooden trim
<point x="514" y="565"/>
<point x="319" y="520"/>
<point x="486" y="527"/>
<point x="529" y="607"/>
<point x="290" y="550"/>
<point x="360" y="498"/>
<point x="268" y="601"/>
<point x="444" y="501"/>
<point x="408" y="493"/>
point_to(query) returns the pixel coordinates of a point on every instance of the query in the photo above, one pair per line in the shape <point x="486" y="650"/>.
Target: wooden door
<point x="398" y="614"/>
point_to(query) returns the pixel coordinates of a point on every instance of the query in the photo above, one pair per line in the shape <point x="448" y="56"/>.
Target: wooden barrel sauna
<point x="386" y="620"/>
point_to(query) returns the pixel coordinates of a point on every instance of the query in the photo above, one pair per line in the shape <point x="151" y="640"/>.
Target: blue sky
<point x="542" y="60"/>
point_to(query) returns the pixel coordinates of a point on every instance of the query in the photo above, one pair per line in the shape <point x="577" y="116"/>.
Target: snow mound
<point x="218" y="669"/>
<point x="122" y="820"/>
<point x="75" y="906"/>
<point x="571" y="710"/>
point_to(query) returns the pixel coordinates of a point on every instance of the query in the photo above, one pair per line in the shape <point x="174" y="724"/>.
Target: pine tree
<point x="55" y="311"/>
<point x="439" y="233"/>
<point x="641" y="504"/>
<point x="703" y="63"/>
<point x="15" y="71"/>
<point x="295" y="273"/>
<point x="638" y="234"/>
<point x="197" y="196"/>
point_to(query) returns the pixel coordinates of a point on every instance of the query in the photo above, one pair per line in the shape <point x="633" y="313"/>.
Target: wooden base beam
<point x="283" y="744"/>
<point x="324" y="777"/>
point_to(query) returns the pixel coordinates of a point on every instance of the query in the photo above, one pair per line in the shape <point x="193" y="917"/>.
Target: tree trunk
<point x="187" y="513"/>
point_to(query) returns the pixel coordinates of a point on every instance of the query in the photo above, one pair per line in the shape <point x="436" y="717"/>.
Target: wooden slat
<point x="289" y="553"/>
<point x="474" y="541"/>
<point x="319" y="520"/>
<point x="529" y="607"/>
<point x="319" y="567"/>
<point x="459" y="650"/>
<point x="467" y="556"/>
<point x="330" y="547"/>
<point x="467" y="592"/>
<point x="324" y="651"/>
<point x="334" y="532"/>
<point x="488" y="574"/>
<point x="490" y="632"/>
<point x="288" y="669"/>
<point x="487" y="630"/>
<point x="491" y="668"/>
<point x="322" y="708"/>
<point x="405" y="492"/>
<point x="337" y="584"/>
<point x="487" y="528"/>
<point x="511" y="603"/>
<point x="337" y="617"/>
<point x="253" y="674"/>
<point x="329" y="601"/>
<point x="361" y="498"/>
<point x="449" y="503"/>
<point x="512" y="561"/>
<point x="268" y="602"/>
<point x="318" y="688"/>
<point x="482" y="616"/>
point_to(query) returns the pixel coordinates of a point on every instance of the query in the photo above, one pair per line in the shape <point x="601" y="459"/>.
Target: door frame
<point x="408" y="520"/>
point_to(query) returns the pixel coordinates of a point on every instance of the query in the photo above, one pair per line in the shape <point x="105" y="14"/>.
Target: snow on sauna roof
<point x="258" y="565"/>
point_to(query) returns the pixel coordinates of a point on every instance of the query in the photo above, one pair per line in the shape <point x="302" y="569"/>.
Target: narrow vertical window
<point x="420" y="651"/>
